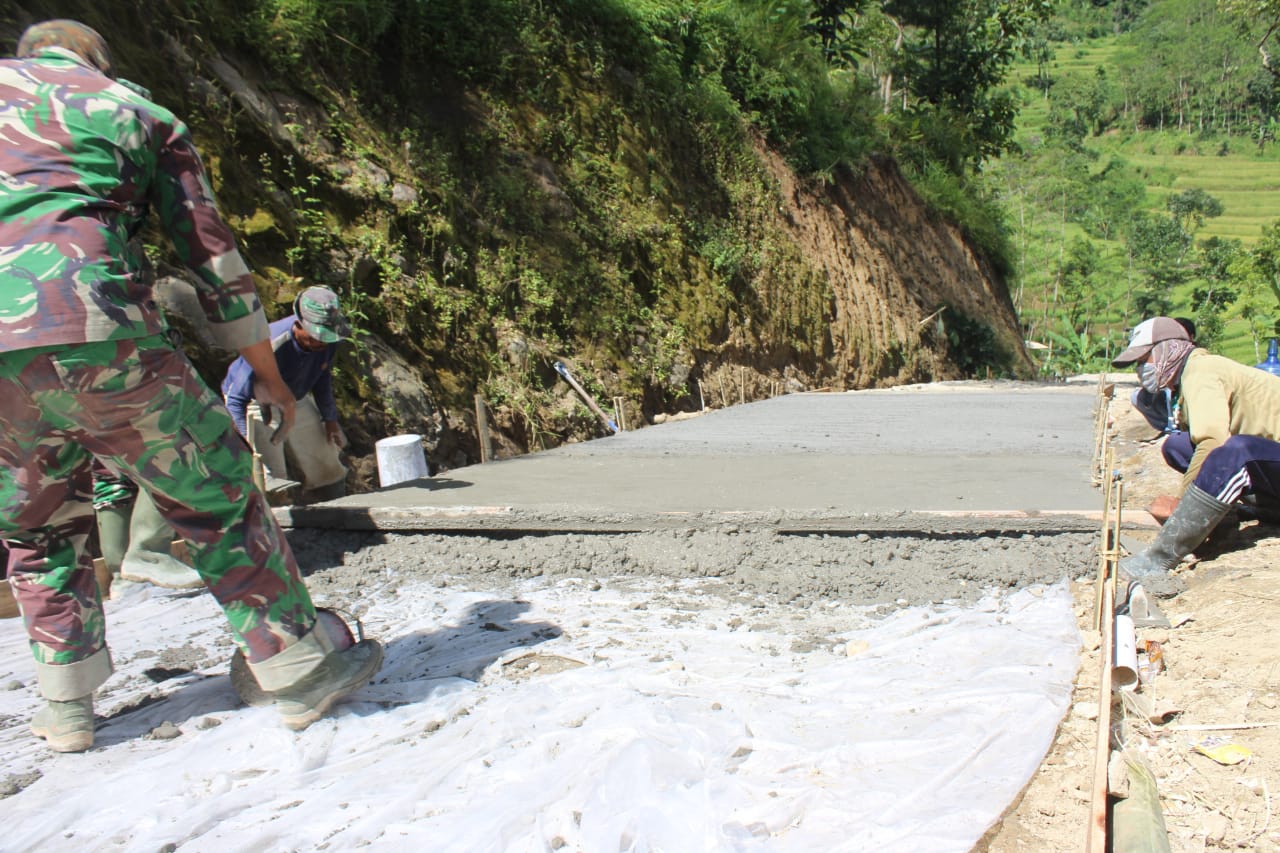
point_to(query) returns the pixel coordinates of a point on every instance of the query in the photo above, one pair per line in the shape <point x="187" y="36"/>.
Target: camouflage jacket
<point x="83" y="159"/>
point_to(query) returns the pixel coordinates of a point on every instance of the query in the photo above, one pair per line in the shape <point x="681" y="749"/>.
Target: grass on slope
<point x="1232" y="170"/>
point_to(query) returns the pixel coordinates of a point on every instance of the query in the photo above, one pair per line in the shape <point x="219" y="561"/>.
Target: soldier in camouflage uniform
<point x="86" y="369"/>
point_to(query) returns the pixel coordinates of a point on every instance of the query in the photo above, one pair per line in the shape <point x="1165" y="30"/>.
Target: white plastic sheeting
<point x="696" y="722"/>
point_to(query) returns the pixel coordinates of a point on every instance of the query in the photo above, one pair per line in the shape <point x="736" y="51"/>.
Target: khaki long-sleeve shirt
<point x="1222" y="398"/>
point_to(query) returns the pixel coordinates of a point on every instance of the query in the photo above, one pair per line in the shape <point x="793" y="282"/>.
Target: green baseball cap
<point x="317" y="310"/>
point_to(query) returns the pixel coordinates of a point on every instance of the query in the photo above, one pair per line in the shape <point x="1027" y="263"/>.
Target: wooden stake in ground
<point x="482" y="428"/>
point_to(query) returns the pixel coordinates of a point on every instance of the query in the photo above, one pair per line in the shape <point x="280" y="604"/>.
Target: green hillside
<point x="1232" y="169"/>
<point x="1102" y="149"/>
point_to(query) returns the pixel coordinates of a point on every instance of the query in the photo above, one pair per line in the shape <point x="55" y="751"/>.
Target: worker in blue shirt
<point x="305" y="345"/>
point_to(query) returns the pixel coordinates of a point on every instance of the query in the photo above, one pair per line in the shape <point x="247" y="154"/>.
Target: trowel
<point x="1139" y="607"/>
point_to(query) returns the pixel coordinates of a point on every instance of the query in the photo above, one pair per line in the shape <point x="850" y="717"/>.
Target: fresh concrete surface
<point x="940" y="456"/>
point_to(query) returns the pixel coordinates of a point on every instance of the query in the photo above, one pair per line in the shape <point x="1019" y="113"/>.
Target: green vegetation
<point x="492" y="184"/>
<point x="576" y="177"/>
<point x="1148" y="178"/>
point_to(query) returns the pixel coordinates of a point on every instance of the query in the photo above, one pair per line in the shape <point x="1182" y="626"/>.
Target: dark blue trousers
<point x="1243" y="464"/>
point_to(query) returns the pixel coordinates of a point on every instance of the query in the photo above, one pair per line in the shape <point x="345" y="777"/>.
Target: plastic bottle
<point x="1272" y="364"/>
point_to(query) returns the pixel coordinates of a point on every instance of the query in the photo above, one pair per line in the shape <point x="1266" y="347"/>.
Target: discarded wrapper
<point x="1221" y="750"/>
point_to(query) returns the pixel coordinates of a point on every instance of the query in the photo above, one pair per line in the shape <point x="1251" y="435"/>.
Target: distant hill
<point x="1174" y="108"/>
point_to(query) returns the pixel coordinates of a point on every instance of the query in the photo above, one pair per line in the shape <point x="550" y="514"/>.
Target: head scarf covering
<point x="1167" y="359"/>
<point x="71" y="36"/>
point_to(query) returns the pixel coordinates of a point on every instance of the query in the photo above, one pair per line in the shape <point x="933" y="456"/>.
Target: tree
<point x="1192" y="207"/>
<point x="1266" y="258"/>
<point x="1078" y="108"/>
<point x="1258" y="13"/>
<point x="1255" y="273"/>
<point x="1158" y="245"/>
<point x="1115" y="195"/>
<point x="1079" y="291"/>
<point x="1076" y="352"/>
<point x="957" y="57"/>
<point x="834" y="22"/>
<point x="1211" y="300"/>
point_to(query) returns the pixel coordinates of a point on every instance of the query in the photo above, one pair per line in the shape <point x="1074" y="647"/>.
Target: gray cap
<point x="1147" y="334"/>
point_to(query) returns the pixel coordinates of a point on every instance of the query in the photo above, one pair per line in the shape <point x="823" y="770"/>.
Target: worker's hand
<point x="1162" y="507"/>
<point x="268" y="388"/>
<point x="333" y="432"/>
<point x="277" y="394"/>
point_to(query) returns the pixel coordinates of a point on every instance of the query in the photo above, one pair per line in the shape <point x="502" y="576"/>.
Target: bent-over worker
<point x="304" y="344"/>
<point x="1231" y="414"/>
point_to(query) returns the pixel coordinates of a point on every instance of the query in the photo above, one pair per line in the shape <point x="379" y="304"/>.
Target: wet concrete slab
<point x="950" y="456"/>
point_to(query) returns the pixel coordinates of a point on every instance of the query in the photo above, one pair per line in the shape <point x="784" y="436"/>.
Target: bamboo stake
<point x="1096" y="841"/>
<point x="482" y="428"/>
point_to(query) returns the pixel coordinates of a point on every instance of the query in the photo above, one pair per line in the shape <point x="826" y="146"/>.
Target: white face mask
<point x="1147" y="377"/>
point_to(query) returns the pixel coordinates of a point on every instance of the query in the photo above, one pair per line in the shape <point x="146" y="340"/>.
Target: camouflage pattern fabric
<point x="110" y="490"/>
<point x="83" y="160"/>
<point x="140" y="407"/>
<point x="72" y="36"/>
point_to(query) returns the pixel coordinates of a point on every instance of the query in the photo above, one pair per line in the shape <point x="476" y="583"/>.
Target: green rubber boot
<point x="1197" y="514"/>
<point x="340" y="674"/>
<point x="67" y="726"/>
<point x="149" y="558"/>
<point x="113" y="534"/>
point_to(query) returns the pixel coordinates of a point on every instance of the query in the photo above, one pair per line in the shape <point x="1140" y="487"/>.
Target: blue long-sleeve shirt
<point x="304" y="372"/>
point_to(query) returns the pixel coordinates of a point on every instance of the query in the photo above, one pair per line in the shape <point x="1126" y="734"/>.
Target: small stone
<point x="1214" y="828"/>
<point x="1087" y="710"/>
<point x="856" y="647"/>
<point x="166" y="731"/>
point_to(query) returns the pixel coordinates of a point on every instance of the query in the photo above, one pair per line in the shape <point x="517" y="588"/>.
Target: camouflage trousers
<point x="111" y="490"/>
<point x="139" y="407"/>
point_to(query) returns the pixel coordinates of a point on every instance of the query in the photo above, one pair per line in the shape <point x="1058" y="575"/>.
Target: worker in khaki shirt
<point x="1230" y="447"/>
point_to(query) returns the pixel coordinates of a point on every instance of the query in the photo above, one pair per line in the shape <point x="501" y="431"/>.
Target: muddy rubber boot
<point x="67" y="726"/>
<point x="340" y="674"/>
<point x="149" y="558"/>
<point x="1197" y="514"/>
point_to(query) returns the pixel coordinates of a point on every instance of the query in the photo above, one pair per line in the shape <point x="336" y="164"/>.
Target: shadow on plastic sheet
<point x="413" y="668"/>
<point x="418" y="664"/>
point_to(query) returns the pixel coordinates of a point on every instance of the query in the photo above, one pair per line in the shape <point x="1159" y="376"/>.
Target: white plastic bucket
<point x="400" y="459"/>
